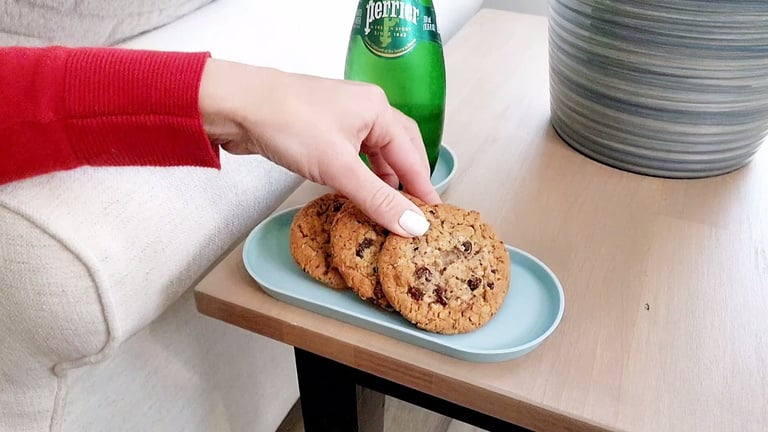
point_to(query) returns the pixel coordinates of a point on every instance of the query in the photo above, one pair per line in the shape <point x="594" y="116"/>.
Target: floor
<point x="399" y="416"/>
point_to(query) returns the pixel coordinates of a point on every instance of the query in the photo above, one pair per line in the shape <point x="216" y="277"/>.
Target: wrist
<point x="233" y="95"/>
<point x="218" y="108"/>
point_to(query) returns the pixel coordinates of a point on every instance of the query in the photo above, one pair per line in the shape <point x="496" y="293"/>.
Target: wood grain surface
<point x="666" y="281"/>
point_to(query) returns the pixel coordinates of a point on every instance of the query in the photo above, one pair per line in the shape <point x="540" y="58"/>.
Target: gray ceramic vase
<point x="665" y="88"/>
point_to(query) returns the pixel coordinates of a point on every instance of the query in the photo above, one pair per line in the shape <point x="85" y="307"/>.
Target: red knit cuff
<point x="133" y="107"/>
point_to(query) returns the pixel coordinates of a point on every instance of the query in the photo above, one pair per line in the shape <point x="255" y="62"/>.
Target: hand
<point x="316" y="128"/>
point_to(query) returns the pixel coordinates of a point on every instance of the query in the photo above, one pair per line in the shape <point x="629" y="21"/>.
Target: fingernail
<point x="413" y="223"/>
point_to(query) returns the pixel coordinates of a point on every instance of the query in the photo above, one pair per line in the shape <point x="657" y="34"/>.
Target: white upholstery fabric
<point x="50" y="313"/>
<point x="90" y="258"/>
<point x="184" y="373"/>
<point x="96" y="254"/>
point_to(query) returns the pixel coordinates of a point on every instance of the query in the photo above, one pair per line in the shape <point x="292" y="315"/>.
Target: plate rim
<point x="454" y="167"/>
<point x="415" y="331"/>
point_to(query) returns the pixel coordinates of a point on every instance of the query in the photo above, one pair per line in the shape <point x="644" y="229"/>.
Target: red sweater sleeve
<point x="61" y="108"/>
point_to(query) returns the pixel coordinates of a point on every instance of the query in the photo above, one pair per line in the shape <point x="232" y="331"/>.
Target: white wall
<point x="527" y="6"/>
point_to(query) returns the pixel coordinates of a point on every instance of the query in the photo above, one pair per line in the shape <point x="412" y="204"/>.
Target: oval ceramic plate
<point x="530" y="312"/>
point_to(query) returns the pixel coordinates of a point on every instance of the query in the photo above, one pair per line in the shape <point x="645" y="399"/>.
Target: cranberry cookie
<point x="451" y="280"/>
<point x="355" y="244"/>
<point x="310" y="239"/>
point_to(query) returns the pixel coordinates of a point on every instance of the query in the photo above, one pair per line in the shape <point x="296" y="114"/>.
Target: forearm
<point x="61" y="108"/>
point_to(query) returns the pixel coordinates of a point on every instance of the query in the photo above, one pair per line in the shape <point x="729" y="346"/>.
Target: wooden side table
<point x="666" y="281"/>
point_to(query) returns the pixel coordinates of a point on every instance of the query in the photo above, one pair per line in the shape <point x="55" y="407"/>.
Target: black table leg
<point x="328" y="397"/>
<point x="328" y="394"/>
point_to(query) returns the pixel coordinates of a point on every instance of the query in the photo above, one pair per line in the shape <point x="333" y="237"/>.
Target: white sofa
<point x="98" y="329"/>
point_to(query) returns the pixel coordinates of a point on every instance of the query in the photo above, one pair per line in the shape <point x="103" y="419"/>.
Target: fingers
<point x="414" y="135"/>
<point x="430" y="195"/>
<point x="382" y="169"/>
<point x="398" y="139"/>
<point x="382" y="203"/>
<point x="236" y="147"/>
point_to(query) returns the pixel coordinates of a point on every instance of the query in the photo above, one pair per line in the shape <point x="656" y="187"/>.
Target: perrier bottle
<point x="396" y="45"/>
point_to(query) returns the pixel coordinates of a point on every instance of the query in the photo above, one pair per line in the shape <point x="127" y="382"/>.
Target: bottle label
<point x="393" y="28"/>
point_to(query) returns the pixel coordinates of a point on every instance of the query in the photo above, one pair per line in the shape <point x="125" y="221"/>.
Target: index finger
<point x="406" y="154"/>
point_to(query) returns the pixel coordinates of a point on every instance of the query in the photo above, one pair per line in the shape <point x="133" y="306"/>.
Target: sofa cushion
<point x="85" y="22"/>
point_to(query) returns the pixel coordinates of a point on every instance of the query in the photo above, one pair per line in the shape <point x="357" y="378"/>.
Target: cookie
<point x="355" y="244"/>
<point x="451" y="280"/>
<point x="310" y="239"/>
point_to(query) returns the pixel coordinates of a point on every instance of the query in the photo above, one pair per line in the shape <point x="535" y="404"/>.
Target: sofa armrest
<point x="91" y="256"/>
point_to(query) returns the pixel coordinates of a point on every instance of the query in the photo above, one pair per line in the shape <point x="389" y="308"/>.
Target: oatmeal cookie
<point x="355" y="244"/>
<point x="451" y="280"/>
<point x="310" y="239"/>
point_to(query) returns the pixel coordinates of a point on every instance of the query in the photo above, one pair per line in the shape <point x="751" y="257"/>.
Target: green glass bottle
<point x="396" y="45"/>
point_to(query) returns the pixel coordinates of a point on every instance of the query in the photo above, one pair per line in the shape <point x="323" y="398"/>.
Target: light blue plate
<point x="444" y="169"/>
<point x="530" y="313"/>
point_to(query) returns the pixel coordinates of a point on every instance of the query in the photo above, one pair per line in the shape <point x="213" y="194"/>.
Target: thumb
<point x="381" y="202"/>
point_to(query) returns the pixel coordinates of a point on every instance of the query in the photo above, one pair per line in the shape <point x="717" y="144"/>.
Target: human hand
<point x="316" y="128"/>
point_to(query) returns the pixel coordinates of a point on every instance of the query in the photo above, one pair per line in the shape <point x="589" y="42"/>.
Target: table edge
<point x="521" y="412"/>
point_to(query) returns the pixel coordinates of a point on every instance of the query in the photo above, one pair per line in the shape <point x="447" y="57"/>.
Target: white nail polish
<point x="413" y="223"/>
